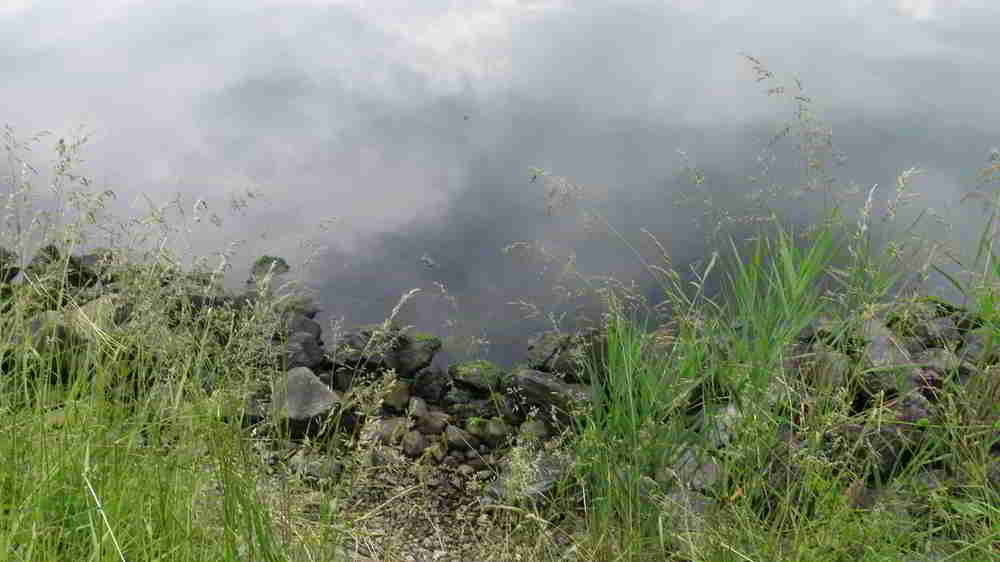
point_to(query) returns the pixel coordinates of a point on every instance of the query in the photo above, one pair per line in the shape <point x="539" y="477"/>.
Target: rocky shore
<point x="473" y="436"/>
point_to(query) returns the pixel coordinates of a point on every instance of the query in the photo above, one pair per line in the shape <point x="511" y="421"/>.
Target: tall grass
<point x="114" y="446"/>
<point x="730" y="354"/>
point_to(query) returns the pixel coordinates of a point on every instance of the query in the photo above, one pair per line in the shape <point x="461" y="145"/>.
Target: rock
<point x="49" y="268"/>
<point x="415" y="353"/>
<point x="342" y="379"/>
<point x="459" y="439"/>
<point x="534" y="431"/>
<point x="198" y="310"/>
<point x="255" y="411"/>
<point x="686" y="512"/>
<point x="993" y="475"/>
<point x="376" y="348"/>
<point x="977" y="348"/>
<point x="493" y="432"/>
<point x="302" y="403"/>
<point x="51" y="333"/>
<point x="694" y="469"/>
<point x="302" y="350"/>
<point x="437" y="451"/>
<point x="104" y="264"/>
<point x="52" y="337"/>
<point x="464" y="417"/>
<point x="459" y="398"/>
<point x="716" y="424"/>
<point x="414" y="443"/>
<point x="879" y="452"/>
<point x="552" y="397"/>
<point x="529" y="480"/>
<point x="433" y="422"/>
<point x="496" y="433"/>
<point x="298" y="322"/>
<point x="946" y="366"/>
<point x="381" y="456"/>
<point x="826" y="370"/>
<point x="913" y="407"/>
<point x="478" y="376"/>
<point x="432" y="384"/>
<point x="884" y="348"/>
<point x="567" y="355"/>
<point x="319" y="470"/>
<point x="463" y="409"/>
<point x="390" y="431"/>
<point x="506" y="406"/>
<point x="417" y="408"/>
<point x="267" y="265"/>
<point x="544" y="351"/>
<point x="921" y="324"/>
<point x="304" y="306"/>
<point x="783" y="479"/>
<point x="888" y="363"/>
<point x="398" y="396"/>
<point x="100" y="316"/>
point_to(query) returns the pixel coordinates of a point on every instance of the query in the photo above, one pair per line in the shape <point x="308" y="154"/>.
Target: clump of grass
<point x="119" y="447"/>
<point x="732" y="350"/>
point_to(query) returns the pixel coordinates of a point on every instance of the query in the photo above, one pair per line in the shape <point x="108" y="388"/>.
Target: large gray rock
<point x="887" y="360"/>
<point x="374" y="348"/>
<point x="432" y="384"/>
<point x="547" y="352"/>
<point x="571" y="356"/>
<point x="432" y="422"/>
<point x="298" y="322"/>
<point x="302" y="350"/>
<point x="553" y="398"/>
<point x="302" y="404"/>
<point x="414" y="443"/>
<point x="390" y="431"/>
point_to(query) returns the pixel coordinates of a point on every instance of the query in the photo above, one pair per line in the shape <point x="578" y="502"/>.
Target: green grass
<point x="734" y="349"/>
<point x="127" y="445"/>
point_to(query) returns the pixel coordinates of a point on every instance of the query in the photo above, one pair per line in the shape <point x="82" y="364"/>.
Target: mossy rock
<point x="423" y="336"/>
<point x="392" y="348"/>
<point x="909" y="319"/>
<point x="479" y="375"/>
<point x="265" y="263"/>
<point x="50" y="267"/>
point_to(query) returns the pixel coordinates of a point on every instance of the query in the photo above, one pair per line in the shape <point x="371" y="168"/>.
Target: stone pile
<point x="907" y="362"/>
<point x="461" y="417"/>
